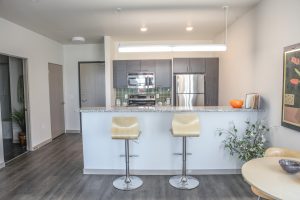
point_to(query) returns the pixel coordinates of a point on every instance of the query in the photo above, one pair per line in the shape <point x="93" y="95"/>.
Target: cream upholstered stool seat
<point x="126" y="128"/>
<point x="185" y="125"/>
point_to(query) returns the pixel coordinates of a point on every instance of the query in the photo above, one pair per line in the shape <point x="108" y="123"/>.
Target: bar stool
<point x="185" y="125"/>
<point x="126" y="128"/>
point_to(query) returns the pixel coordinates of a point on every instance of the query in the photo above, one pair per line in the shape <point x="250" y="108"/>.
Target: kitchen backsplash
<point x="162" y="92"/>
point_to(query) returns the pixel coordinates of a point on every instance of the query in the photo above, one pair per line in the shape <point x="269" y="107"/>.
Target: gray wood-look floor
<point x="55" y="172"/>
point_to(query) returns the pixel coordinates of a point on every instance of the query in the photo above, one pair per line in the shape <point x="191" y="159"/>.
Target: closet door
<point x="56" y="100"/>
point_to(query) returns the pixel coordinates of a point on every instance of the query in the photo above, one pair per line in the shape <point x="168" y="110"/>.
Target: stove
<point x="141" y="100"/>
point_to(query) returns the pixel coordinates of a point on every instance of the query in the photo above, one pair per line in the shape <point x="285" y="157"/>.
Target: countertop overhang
<point x="167" y="109"/>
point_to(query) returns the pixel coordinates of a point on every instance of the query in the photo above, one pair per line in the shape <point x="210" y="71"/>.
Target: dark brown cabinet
<point x="119" y="74"/>
<point x="161" y="68"/>
<point x="189" y="65"/>
<point x="197" y="65"/>
<point x="163" y="73"/>
<point x="180" y="65"/>
<point x="207" y="66"/>
<point x="133" y="66"/>
<point x="212" y="82"/>
<point x="148" y="65"/>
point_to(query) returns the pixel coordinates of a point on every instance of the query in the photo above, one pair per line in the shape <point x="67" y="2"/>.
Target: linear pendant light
<point x="135" y="48"/>
<point x="123" y="48"/>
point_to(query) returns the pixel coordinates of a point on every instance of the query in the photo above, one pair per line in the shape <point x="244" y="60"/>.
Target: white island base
<point x="154" y="153"/>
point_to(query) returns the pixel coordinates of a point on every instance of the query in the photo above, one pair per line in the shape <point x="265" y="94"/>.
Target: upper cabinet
<point x="163" y="73"/>
<point x="133" y="66"/>
<point x="148" y="66"/>
<point x="197" y="65"/>
<point x="119" y="74"/>
<point x="212" y="81"/>
<point x="181" y="65"/>
<point x="161" y="68"/>
<point x="189" y="65"/>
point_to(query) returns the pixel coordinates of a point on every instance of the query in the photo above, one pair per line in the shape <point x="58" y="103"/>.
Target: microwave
<point x="141" y="80"/>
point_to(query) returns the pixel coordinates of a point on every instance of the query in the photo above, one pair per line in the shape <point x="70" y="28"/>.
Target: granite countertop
<point x="167" y="109"/>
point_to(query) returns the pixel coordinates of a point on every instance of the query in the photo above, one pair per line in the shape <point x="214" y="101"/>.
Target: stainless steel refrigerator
<point x="189" y="89"/>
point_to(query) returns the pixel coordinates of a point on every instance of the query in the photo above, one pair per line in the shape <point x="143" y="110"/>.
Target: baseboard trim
<point x="2" y="165"/>
<point x="72" y="131"/>
<point x="161" y="172"/>
<point x="41" y="144"/>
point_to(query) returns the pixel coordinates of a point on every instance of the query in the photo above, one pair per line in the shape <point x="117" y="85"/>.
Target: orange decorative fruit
<point x="236" y="103"/>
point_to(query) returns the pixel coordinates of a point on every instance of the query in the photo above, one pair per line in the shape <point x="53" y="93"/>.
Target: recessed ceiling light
<point x="144" y="29"/>
<point x="78" y="39"/>
<point x="189" y="28"/>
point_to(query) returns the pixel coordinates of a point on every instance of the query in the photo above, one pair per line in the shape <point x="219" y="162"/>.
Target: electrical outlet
<point x="126" y="96"/>
<point x="157" y="95"/>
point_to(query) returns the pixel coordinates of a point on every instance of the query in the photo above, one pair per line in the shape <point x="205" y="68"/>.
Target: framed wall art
<point x="291" y="88"/>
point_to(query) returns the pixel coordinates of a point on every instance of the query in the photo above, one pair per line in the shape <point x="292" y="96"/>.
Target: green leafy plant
<point x="19" y="118"/>
<point x="249" y="145"/>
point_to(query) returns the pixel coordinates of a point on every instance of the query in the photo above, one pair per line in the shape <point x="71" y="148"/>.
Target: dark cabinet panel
<point x="212" y="82"/>
<point x="163" y="74"/>
<point x="119" y="74"/>
<point x="180" y="65"/>
<point x="133" y="66"/>
<point x="148" y="66"/>
<point x="197" y="65"/>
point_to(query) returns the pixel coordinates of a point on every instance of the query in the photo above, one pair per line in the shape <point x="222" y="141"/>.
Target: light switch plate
<point x="126" y="96"/>
<point x="157" y="96"/>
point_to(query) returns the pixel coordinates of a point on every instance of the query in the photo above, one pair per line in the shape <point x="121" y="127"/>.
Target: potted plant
<point x="19" y="118"/>
<point x="249" y="145"/>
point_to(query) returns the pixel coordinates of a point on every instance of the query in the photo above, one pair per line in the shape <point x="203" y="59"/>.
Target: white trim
<point x="72" y="131"/>
<point x="36" y="147"/>
<point x="161" y="172"/>
<point x="2" y="165"/>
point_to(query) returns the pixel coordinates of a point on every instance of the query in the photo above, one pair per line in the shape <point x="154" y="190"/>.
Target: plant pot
<point x="22" y="138"/>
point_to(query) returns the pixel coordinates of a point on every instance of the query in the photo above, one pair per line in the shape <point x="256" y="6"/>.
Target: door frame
<point x="26" y="103"/>
<point x="79" y="83"/>
<point x="63" y="99"/>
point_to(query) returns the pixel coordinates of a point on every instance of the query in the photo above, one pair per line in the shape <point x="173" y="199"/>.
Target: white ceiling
<point x="92" y="19"/>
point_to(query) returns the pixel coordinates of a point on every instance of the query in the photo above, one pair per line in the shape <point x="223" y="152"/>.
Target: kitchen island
<point x="156" y="150"/>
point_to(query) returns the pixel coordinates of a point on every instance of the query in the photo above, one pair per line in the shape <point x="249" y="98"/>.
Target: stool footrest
<point x="134" y="155"/>
<point x="180" y="154"/>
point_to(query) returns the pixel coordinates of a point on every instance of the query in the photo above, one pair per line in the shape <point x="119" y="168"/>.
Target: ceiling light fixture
<point x="144" y="29"/>
<point x="78" y="39"/>
<point x="135" y="47"/>
<point x="123" y="48"/>
<point x="189" y="28"/>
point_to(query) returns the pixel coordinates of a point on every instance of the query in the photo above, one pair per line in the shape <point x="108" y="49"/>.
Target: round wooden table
<point x="267" y="175"/>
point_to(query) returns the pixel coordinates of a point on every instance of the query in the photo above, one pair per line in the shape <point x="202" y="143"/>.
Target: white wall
<point x="271" y="39"/>
<point x="39" y="50"/>
<point x="72" y="55"/>
<point x="236" y="64"/>
<point x="255" y="59"/>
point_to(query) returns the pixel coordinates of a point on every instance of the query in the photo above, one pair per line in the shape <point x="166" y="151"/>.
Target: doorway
<point x="56" y="95"/>
<point x="13" y="106"/>
<point x="91" y="84"/>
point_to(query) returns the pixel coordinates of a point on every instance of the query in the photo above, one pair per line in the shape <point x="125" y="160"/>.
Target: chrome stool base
<point x="184" y="183"/>
<point x="134" y="183"/>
